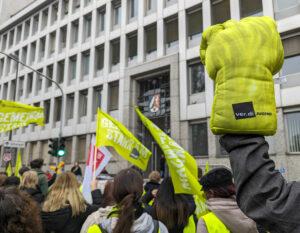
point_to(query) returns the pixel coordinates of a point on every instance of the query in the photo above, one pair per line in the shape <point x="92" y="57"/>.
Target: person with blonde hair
<point x="29" y="184"/>
<point x="65" y="209"/>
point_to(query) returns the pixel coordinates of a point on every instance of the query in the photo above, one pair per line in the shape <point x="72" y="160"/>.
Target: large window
<point x="292" y="55"/>
<point x="63" y="37"/>
<point x="195" y="23"/>
<point x="101" y="20"/>
<point x="150" y="6"/>
<point x="220" y="11"/>
<point x="151" y="39"/>
<point x="65" y="8"/>
<point x="116" y="7"/>
<point x="132" y="46"/>
<point x="85" y="63"/>
<point x="70" y="107"/>
<point x="87" y="26"/>
<point x="49" y="73"/>
<point x="74" y="32"/>
<point x="35" y="25"/>
<point x="47" y="111"/>
<point x="21" y="87"/>
<point x="113" y="96"/>
<point x="97" y="98"/>
<point x="4" y="41"/>
<point x="99" y="58"/>
<point x="26" y="29"/>
<point x="54" y="13"/>
<point x="11" y="38"/>
<point x="133" y="8"/>
<point x="29" y="84"/>
<point x="293" y="131"/>
<point x="52" y="43"/>
<point x="57" y="109"/>
<point x="32" y="52"/>
<point x="198" y="134"/>
<point x="75" y="6"/>
<point x="115" y="51"/>
<point x="285" y="4"/>
<point x="196" y="76"/>
<point x="19" y="34"/>
<point x="44" y="19"/>
<point x="171" y="31"/>
<point x="42" y="48"/>
<point x="251" y="8"/>
<point x="60" y="71"/>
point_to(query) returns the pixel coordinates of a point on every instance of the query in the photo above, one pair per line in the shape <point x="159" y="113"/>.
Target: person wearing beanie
<point x="225" y="216"/>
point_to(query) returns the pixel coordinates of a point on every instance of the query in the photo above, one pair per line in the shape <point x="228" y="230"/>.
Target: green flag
<point x="111" y="132"/>
<point x="182" y="166"/>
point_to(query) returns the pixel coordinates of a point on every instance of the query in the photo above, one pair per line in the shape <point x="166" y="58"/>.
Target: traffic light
<point x="61" y="151"/>
<point x="53" y="146"/>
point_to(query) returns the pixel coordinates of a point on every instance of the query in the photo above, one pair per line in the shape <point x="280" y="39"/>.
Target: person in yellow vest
<point x="225" y="215"/>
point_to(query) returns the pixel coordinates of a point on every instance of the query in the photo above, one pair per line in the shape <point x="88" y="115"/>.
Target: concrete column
<point x="182" y="34"/>
<point x="104" y="103"/>
<point x="268" y="8"/>
<point x="74" y="155"/>
<point x="90" y="105"/>
<point x="76" y="108"/>
<point x="206" y="11"/>
<point x="160" y="38"/>
<point x="123" y="52"/>
<point x="235" y="9"/>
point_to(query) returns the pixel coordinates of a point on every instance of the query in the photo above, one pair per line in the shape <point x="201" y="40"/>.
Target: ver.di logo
<point x="134" y="153"/>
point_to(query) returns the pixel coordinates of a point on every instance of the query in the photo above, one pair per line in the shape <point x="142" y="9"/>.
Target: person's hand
<point x="154" y="192"/>
<point x="94" y="184"/>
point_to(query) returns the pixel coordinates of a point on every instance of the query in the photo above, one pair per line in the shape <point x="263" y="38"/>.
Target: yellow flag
<point x="9" y="169"/>
<point x="112" y="133"/>
<point x="18" y="163"/>
<point x="14" y="115"/>
<point x="182" y="166"/>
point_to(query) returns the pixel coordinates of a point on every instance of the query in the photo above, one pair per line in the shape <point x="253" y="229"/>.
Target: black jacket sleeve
<point x="97" y="197"/>
<point x="262" y="192"/>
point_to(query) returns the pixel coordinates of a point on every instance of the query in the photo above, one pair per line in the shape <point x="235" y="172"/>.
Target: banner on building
<point x="111" y="132"/>
<point x="182" y="166"/>
<point x="14" y="115"/>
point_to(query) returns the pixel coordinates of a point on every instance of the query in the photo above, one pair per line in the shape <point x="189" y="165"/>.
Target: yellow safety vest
<point x="191" y="227"/>
<point x="214" y="224"/>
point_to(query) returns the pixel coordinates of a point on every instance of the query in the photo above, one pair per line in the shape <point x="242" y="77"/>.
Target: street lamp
<point x="16" y="59"/>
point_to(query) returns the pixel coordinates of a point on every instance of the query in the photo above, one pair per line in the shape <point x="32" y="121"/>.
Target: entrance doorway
<point x="154" y="102"/>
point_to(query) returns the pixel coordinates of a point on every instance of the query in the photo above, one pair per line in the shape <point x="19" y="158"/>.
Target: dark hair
<point x="2" y="179"/>
<point x="23" y="170"/>
<point x="3" y="173"/>
<point x="221" y="192"/>
<point x="171" y="209"/>
<point x="200" y="172"/>
<point x="12" y="181"/>
<point x="127" y="191"/>
<point x="108" y="198"/>
<point x="37" y="163"/>
<point x="18" y="212"/>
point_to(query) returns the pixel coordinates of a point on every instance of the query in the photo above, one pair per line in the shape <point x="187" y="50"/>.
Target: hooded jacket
<point x="43" y="182"/>
<point x="262" y="192"/>
<point x="227" y="210"/>
<point x="143" y="224"/>
<point x="61" y="221"/>
<point x="36" y="194"/>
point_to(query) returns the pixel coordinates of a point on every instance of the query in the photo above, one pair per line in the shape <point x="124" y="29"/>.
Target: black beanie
<point x="217" y="177"/>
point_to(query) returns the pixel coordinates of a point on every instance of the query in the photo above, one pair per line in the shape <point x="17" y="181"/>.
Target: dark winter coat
<point x="61" y="221"/>
<point x="262" y="192"/>
<point x="76" y="170"/>
<point x="36" y="194"/>
<point x="151" y="185"/>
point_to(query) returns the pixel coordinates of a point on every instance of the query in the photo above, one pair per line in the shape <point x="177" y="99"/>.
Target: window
<point x="132" y="46"/>
<point x="87" y="2"/>
<point x="70" y="106"/>
<point x="52" y="43"/>
<point x="29" y="84"/>
<point x="195" y="25"/>
<point x="5" y="89"/>
<point x="54" y="13"/>
<point x="11" y="38"/>
<point x="151" y="5"/>
<point x="35" y="25"/>
<point x="115" y="51"/>
<point x="197" y="77"/>
<point x="44" y="19"/>
<point x="87" y="26"/>
<point x="85" y="63"/>
<point x="220" y="11"/>
<point x="171" y="31"/>
<point x="133" y="8"/>
<point x="72" y="67"/>
<point x="281" y="5"/>
<point x="4" y="41"/>
<point x="292" y="55"/>
<point x="49" y="73"/>
<point x="116" y="5"/>
<point x="151" y="39"/>
<point x="24" y="54"/>
<point x="8" y="66"/>
<point x="83" y="97"/>
<point x="26" y="29"/>
<point x="97" y="98"/>
<point x="99" y="58"/>
<point x="1" y="66"/>
<point x="101" y="20"/>
<point x="19" y="34"/>
<point x="39" y="81"/>
<point x="12" y="89"/>
<point x="74" y="32"/>
<point x="32" y="52"/>
<point x="47" y="111"/>
<point x="21" y="87"/>
<point x="57" y="109"/>
<point x="76" y="5"/>
<point x="42" y="48"/>
<point x="293" y="131"/>
<point x="60" y="71"/>
<point x="199" y="139"/>
<point x="113" y="96"/>
<point x="251" y="8"/>
<point x="81" y="149"/>
<point x="65" y="8"/>
<point x="63" y="37"/>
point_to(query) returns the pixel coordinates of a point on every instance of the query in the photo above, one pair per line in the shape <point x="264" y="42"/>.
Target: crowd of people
<point x="258" y="196"/>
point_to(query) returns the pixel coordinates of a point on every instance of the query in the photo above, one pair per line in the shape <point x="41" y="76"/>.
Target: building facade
<point x="118" y="54"/>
